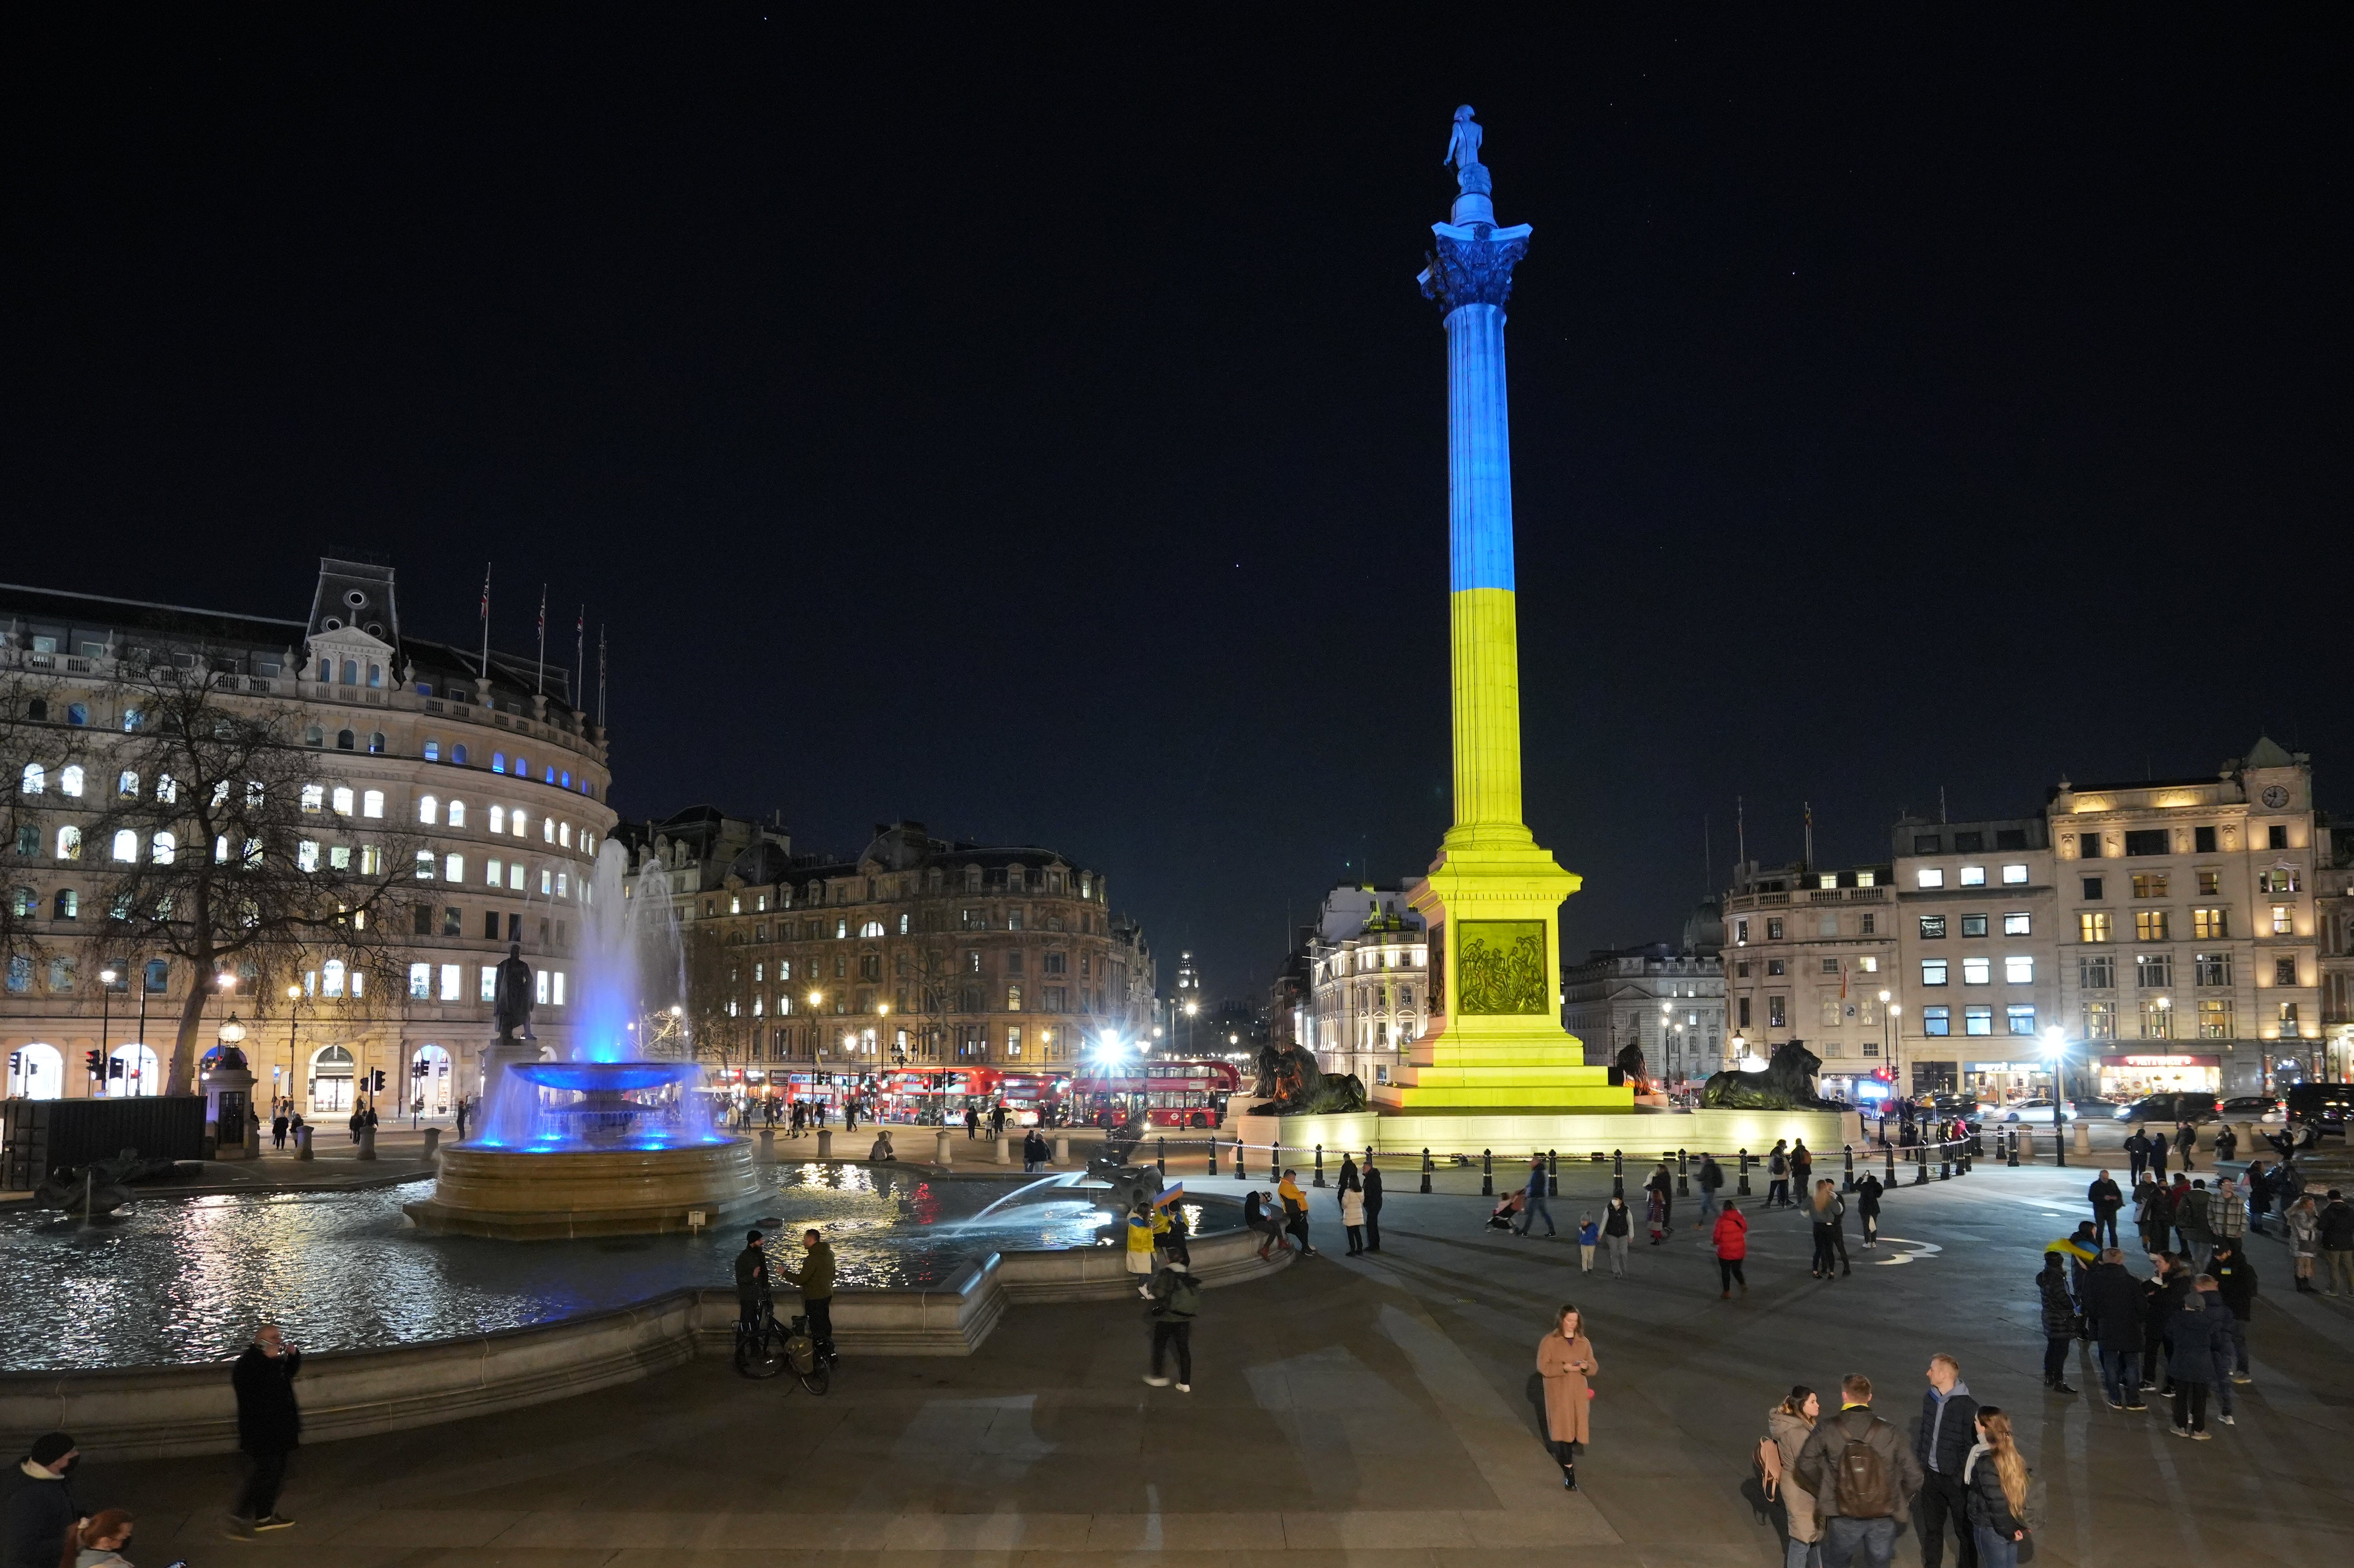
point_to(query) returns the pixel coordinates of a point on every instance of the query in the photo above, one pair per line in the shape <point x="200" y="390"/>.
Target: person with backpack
<point x="1732" y="1239"/>
<point x="1996" y="1478"/>
<point x="1861" y="1471"/>
<point x="1788" y="1426"/>
<point x="1778" y="1171"/>
<point x="1176" y="1297"/>
<point x="1867" y="1208"/>
<point x="1565" y="1360"/>
<point x="1942" y="1445"/>
<point x="1712" y="1181"/>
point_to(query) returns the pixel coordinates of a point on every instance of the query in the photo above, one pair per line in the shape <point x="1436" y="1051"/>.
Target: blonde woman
<point x="1828" y="1212"/>
<point x="1565" y="1359"/>
<point x="1994" y="1478"/>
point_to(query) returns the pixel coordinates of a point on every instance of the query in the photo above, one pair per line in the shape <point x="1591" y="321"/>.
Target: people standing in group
<point x="1176" y="1297"/>
<point x="1589" y="1236"/>
<point x="40" y="1506"/>
<point x="1731" y="1238"/>
<point x="2117" y="1312"/>
<point x="2193" y="1357"/>
<point x="1353" y="1218"/>
<point x="2168" y="1284"/>
<point x="751" y="1281"/>
<point x="1777" y="1175"/>
<point x="1711" y="1179"/>
<point x="2106" y="1199"/>
<point x="2335" y="1223"/>
<point x="1788" y="1425"/>
<point x="1867" y="1208"/>
<point x="1828" y="1211"/>
<point x="1941" y="1443"/>
<point x="1618" y="1225"/>
<point x="2059" y="1318"/>
<point x="1535" y="1194"/>
<point x="2303" y="1221"/>
<point x="1565" y="1361"/>
<point x="1861" y="1497"/>
<point x="1259" y="1218"/>
<point x="1996" y="1477"/>
<point x="268" y="1427"/>
<point x="2192" y="1229"/>
<point x="1295" y="1210"/>
<point x="1373" y="1203"/>
<point x="1035" y="1152"/>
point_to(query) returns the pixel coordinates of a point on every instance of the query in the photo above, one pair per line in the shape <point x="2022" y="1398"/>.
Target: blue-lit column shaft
<point x="1483" y="623"/>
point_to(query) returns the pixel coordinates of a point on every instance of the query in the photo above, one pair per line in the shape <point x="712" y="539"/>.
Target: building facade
<point x="490" y="780"/>
<point x="1811" y="956"/>
<point x="1368" y="981"/>
<point x="1980" y="979"/>
<point x="917" y="953"/>
<point x="1668" y="1001"/>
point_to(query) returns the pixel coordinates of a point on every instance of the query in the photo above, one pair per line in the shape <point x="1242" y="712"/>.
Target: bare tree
<point x="223" y="842"/>
<point x="716" y="999"/>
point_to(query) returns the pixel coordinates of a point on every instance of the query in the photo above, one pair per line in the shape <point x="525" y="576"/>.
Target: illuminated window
<point x="428" y="809"/>
<point x="1014" y="1043"/>
<point x="1977" y="972"/>
<point x="69" y="843"/>
<point x="1933" y="928"/>
<point x="2156" y="1021"/>
<point x="2100" y="1021"/>
<point x="2209" y="925"/>
<point x="871" y="928"/>
<point x="498" y="876"/>
<point x="1932" y="972"/>
<point x="2014" y="875"/>
<point x="2021" y="1019"/>
<point x="432" y="751"/>
<point x="1937" y="1022"/>
<point x="2215" y="1018"/>
<point x="498" y="762"/>
<point x="1974" y="925"/>
<point x="1013" y="999"/>
<point x="1866" y="878"/>
<point x="2149" y="925"/>
<point x="315" y="797"/>
<point x="2093" y="925"/>
<point x="453" y="868"/>
<point x="2284" y="920"/>
<point x="1778" y="1012"/>
<point x="162" y="848"/>
<point x="1978" y="1021"/>
<point x="372" y="803"/>
<point x="125" y="846"/>
<point x="425" y="865"/>
<point x="2288" y="1024"/>
<point x="454" y="983"/>
<point x="457" y="814"/>
<point x="35" y="779"/>
<point x="126" y="785"/>
<point x="2018" y="924"/>
<point x="489" y="983"/>
<point x="2018" y="971"/>
<point x="421" y="983"/>
<point x="515" y="876"/>
<point x="1930" y="877"/>
<point x="2150" y="885"/>
<point x="331" y="978"/>
<point x="1973" y="876"/>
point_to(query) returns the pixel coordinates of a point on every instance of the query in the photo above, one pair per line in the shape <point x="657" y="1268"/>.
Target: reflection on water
<point x="186" y="1279"/>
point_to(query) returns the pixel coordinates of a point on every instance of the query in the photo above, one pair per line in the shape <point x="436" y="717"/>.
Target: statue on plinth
<point x="1463" y="141"/>
<point x="511" y="997"/>
<point x="1787" y="1083"/>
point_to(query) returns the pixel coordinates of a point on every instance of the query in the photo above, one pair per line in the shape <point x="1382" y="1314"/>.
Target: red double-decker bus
<point x="1160" y="1093"/>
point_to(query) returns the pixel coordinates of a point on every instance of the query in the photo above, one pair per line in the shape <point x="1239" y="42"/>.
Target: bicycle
<point x="767" y="1348"/>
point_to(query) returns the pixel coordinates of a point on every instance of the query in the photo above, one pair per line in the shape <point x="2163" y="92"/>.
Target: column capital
<point x="1471" y="264"/>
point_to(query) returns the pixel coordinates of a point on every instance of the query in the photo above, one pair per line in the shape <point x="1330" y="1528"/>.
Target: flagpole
<point x="485" y="670"/>
<point x="580" y="657"/>
<point x="601" y="675"/>
<point x="539" y="677"/>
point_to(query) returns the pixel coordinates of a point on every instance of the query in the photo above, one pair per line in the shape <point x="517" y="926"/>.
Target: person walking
<point x="40" y="1506"/>
<point x="1731" y="1238"/>
<point x="1861" y="1472"/>
<point x="1942" y="1445"/>
<point x="1996" y="1477"/>
<point x="1711" y="1179"/>
<point x="1662" y="1186"/>
<point x="1373" y="1203"/>
<point x="268" y="1427"/>
<point x="1536" y="1194"/>
<point x="1828" y="1209"/>
<point x="2059" y="1313"/>
<point x="1176" y="1297"/>
<point x="2235" y="1283"/>
<point x="1618" y="1225"/>
<point x="2303" y="1221"/>
<point x="2335" y="1224"/>
<point x="1353" y="1218"/>
<point x="1654" y="1215"/>
<point x="278" y="1129"/>
<point x="1867" y="1208"/>
<point x="2106" y="1199"/>
<point x="1565" y="1361"/>
<point x="1777" y="1172"/>
<point x="1589" y="1236"/>
<point x="971" y="1122"/>
<point x="2193" y="1357"/>
<point x="1295" y="1210"/>
<point x="2116" y="1310"/>
<point x="997" y="1121"/>
<point x="2186" y="1144"/>
<point x="1788" y="1426"/>
<point x="2138" y="1154"/>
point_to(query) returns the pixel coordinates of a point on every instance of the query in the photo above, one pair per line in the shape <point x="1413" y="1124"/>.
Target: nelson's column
<point x="1494" y="1041"/>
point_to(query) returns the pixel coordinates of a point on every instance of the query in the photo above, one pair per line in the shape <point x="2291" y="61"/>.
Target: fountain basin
<point x="527" y="1194"/>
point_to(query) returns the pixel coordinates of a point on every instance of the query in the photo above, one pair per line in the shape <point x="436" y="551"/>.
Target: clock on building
<point x="2275" y="796"/>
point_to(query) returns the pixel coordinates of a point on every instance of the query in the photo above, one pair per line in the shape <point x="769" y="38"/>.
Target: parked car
<point x="2033" y="1110"/>
<point x="2327" y="1106"/>
<point x="2252" y="1108"/>
<point x="2094" y="1105"/>
<point x="2172" y="1110"/>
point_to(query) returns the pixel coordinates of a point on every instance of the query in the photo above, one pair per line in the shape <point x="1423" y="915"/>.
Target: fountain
<point x="617" y="1144"/>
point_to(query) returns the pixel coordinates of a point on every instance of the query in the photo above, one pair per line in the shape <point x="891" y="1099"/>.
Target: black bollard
<point x="1275" y="1160"/>
<point x="1849" y="1179"/>
<point x="2010" y="1136"/>
<point x="1487" y="1174"/>
<point x="1683" y="1174"/>
<point x="1618" y="1173"/>
<point x="1320" y="1165"/>
<point x="1164" y="1161"/>
<point x="1890" y="1150"/>
<point x="1425" y="1170"/>
<point x="1214" y="1154"/>
<point x="1552" y="1173"/>
<point x="1920" y="1165"/>
<point x="1945" y="1162"/>
<point x="1240" y="1174"/>
<point x="1743" y="1190"/>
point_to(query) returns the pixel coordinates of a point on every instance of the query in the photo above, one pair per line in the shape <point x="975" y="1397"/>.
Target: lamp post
<point x="293" y="1006"/>
<point x="106" y="978"/>
<point x="2055" y="1045"/>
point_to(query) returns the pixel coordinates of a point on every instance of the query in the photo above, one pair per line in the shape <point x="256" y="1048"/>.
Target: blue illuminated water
<point x="186" y="1279"/>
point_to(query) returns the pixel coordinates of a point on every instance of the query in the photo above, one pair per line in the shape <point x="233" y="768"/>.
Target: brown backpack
<point x="1864" y="1488"/>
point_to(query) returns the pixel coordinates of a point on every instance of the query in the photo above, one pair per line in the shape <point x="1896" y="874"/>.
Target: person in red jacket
<point x="1731" y="1238"/>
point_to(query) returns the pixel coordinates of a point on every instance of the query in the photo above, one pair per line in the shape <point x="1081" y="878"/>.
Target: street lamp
<point x="106" y="978"/>
<point x="294" y="1004"/>
<point x="2055" y="1045"/>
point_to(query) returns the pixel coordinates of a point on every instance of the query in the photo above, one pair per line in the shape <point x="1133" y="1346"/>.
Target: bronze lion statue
<point x="1787" y="1083"/>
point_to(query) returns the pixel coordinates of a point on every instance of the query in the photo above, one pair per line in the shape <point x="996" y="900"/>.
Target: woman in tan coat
<point x="1788" y="1425"/>
<point x="1565" y="1359"/>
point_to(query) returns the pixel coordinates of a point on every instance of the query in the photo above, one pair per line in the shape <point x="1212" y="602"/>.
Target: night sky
<point x="1037" y="431"/>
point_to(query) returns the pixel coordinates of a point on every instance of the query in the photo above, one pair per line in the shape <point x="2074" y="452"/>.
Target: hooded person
<point x="40" y="1506"/>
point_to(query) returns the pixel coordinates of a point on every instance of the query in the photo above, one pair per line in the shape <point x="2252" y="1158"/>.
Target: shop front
<point x="1998" y="1083"/>
<point x="2132" y="1074"/>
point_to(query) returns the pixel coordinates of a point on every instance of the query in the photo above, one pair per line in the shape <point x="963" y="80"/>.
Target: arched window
<point x="67" y="907"/>
<point x="126" y="785"/>
<point x="523" y="768"/>
<point x="162" y="847"/>
<point x="564" y="835"/>
<point x="70" y="782"/>
<point x="457" y="814"/>
<point x="126" y="845"/>
<point x="68" y="843"/>
<point x="498" y="762"/>
<point x="35" y="781"/>
<point x="315" y="735"/>
<point x="903" y="925"/>
<point x="375" y="674"/>
<point x="428" y="809"/>
<point x="372" y="803"/>
<point x="346" y="741"/>
<point x="458" y="755"/>
<point x="871" y="928"/>
<point x="376" y="742"/>
<point x="38" y="710"/>
<point x="568" y="778"/>
<point x="547" y="829"/>
<point x="331" y="978"/>
<point x="133" y="719"/>
<point x="498" y="819"/>
<point x="351" y="672"/>
<point x="342" y="799"/>
<point x="167" y="789"/>
<point x="432" y="751"/>
<point x="514" y="821"/>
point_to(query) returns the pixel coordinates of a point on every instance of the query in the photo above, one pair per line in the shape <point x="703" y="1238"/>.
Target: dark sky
<point x="1037" y="431"/>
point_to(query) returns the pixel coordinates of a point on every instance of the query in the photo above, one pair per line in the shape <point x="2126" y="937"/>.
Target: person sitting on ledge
<point x="880" y="1152"/>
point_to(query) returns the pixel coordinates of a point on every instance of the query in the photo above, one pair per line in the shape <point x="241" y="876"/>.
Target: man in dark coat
<point x="269" y="1425"/>
<point x="1373" y="1206"/>
<point x="1941" y="1443"/>
<point x="2059" y="1311"/>
<point x="2138" y="1151"/>
<point x="2116" y="1310"/>
<point x="2235" y="1282"/>
<point x="40" y="1506"/>
<point x="2107" y="1198"/>
<point x="2161" y="1298"/>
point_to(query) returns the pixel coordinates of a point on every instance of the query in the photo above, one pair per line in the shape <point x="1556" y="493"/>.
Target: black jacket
<point x="1617" y="1219"/>
<point x="2106" y="1197"/>
<point x="2337" y="1226"/>
<point x="1988" y="1505"/>
<point x="2235" y="1282"/>
<point x="1867" y="1196"/>
<point x="1954" y="1437"/>
<point x="2059" y="1310"/>
<point x="2113" y="1304"/>
<point x="2161" y="1298"/>
<point x="267" y="1421"/>
<point x="1372" y="1190"/>
<point x="34" y="1520"/>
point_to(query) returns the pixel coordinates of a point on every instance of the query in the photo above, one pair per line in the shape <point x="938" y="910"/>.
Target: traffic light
<point x="376" y="1080"/>
<point x="96" y="1060"/>
<point x="115" y="1067"/>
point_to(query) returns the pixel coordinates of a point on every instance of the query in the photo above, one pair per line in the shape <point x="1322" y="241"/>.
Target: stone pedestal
<point x="368" y="1144"/>
<point x="826" y="1143"/>
<point x="1005" y="1147"/>
<point x="1062" y="1149"/>
<point x="768" y="1146"/>
<point x="302" y="1141"/>
<point x="2080" y="1138"/>
<point x="497" y="1057"/>
<point x="943" y="1148"/>
<point x="432" y="1144"/>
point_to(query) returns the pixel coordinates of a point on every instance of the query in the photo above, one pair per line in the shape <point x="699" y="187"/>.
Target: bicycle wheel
<point x="819" y="1377"/>
<point x="761" y="1355"/>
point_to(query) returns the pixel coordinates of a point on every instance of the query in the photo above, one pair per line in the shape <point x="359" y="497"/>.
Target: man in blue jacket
<point x="1949" y="1419"/>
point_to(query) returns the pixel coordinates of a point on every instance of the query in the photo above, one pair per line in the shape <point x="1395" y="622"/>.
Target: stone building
<point x="1669" y="1000"/>
<point x="1808" y="954"/>
<point x="917" y="953"/>
<point x="1368" y="987"/>
<point x="1980" y="979"/>
<point x="492" y="777"/>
